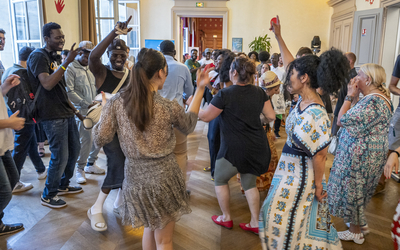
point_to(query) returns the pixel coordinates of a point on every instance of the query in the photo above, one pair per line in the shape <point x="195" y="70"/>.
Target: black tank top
<point x="111" y="82"/>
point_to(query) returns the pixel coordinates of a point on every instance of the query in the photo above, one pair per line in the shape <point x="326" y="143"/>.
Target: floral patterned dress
<point x="360" y="159"/>
<point x="291" y="217"/>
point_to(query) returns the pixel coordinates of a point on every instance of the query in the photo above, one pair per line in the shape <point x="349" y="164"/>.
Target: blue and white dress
<point x="291" y="217"/>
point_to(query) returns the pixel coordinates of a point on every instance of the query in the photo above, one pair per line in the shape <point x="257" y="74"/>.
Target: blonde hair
<point x="377" y="75"/>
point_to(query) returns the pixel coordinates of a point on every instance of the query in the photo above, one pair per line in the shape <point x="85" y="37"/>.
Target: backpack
<point x="22" y="98"/>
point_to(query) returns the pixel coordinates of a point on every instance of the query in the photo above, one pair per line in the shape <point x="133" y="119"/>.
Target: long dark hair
<point x="329" y="71"/>
<point x="137" y="96"/>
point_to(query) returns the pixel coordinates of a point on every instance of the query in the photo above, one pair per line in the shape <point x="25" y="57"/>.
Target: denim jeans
<point x="8" y="179"/>
<point x="25" y="144"/>
<point x="214" y="142"/>
<point x="63" y="137"/>
<point x="87" y="147"/>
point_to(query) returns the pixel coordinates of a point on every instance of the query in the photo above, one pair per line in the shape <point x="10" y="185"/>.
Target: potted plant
<point x="260" y="43"/>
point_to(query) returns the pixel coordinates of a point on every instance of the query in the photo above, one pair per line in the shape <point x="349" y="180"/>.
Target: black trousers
<point x="277" y="125"/>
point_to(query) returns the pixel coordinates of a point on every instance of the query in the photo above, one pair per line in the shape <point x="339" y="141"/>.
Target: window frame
<point x="116" y="19"/>
<point x="13" y="17"/>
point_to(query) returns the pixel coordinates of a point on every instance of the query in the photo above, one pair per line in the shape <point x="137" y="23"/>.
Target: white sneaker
<point x="349" y="236"/>
<point x="80" y="176"/>
<point x="43" y="175"/>
<point x="364" y="229"/>
<point x="94" y="169"/>
<point x="21" y="187"/>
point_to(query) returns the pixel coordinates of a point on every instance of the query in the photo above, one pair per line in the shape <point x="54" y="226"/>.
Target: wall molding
<point x="387" y="3"/>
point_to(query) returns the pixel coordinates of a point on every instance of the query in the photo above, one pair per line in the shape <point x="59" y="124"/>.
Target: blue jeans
<point x="25" y="144"/>
<point x="63" y="137"/>
<point x="214" y="142"/>
<point x="8" y="179"/>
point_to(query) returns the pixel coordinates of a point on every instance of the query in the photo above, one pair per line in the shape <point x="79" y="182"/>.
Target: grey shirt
<point x="81" y="88"/>
<point x="178" y="81"/>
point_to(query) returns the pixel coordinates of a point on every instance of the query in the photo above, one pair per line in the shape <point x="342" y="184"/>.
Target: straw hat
<point x="270" y="80"/>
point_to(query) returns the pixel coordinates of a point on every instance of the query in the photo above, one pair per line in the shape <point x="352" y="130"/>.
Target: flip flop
<point x="96" y="219"/>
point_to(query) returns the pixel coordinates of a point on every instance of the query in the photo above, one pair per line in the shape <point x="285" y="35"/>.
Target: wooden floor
<point x="69" y="227"/>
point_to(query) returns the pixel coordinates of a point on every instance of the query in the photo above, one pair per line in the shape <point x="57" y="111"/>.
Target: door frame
<point x="177" y="12"/>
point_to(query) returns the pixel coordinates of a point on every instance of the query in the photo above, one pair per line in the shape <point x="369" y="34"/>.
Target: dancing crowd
<point x="147" y="108"/>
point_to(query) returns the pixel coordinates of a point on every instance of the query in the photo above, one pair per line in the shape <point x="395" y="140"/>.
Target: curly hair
<point x="225" y="67"/>
<point x="255" y="53"/>
<point x="245" y="68"/>
<point x="329" y="71"/>
<point x="48" y="27"/>
<point x="263" y="56"/>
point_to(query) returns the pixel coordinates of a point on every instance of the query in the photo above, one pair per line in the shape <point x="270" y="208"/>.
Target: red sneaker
<point x="226" y="224"/>
<point x="246" y="227"/>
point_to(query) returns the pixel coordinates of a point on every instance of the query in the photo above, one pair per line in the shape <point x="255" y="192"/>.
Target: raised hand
<point x="121" y="28"/>
<point x="352" y="88"/>
<point x="276" y="27"/>
<point x="202" y="78"/>
<point x="16" y="123"/>
<point x="72" y="54"/>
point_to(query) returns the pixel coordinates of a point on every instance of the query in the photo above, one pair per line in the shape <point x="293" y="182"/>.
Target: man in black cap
<point x="25" y="142"/>
<point x="110" y="78"/>
<point x="178" y="81"/>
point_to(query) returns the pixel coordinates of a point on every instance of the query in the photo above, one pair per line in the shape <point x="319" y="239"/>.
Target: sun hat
<point x="270" y="80"/>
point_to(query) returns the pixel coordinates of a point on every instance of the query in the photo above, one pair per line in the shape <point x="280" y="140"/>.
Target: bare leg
<point x="253" y="198"/>
<point x="148" y="241"/>
<point x="223" y="197"/>
<point x="163" y="237"/>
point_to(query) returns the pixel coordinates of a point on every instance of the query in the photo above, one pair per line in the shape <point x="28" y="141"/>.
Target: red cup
<point x="274" y="20"/>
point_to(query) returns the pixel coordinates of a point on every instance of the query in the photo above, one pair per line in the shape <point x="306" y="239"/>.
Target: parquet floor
<point x="69" y="229"/>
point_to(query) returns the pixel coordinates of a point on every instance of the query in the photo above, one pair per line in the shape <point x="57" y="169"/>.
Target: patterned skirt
<point x="291" y="218"/>
<point x="154" y="193"/>
<point x="264" y="180"/>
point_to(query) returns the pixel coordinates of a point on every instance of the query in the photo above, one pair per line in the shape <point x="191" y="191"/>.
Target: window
<point x="109" y="12"/>
<point x="26" y="24"/>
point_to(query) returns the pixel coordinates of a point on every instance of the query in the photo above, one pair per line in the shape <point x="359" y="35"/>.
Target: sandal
<point x="96" y="219"/>
<point x="349" y="236"/>
<point x="207" y="169"/>
<point x="246" y="227"/>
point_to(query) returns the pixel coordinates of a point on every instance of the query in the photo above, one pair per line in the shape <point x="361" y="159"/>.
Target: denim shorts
<point x="115" y="164"/>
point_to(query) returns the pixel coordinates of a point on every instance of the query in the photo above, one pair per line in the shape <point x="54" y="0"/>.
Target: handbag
<point x="94" y="113"/>
<point x="334" y="142"/>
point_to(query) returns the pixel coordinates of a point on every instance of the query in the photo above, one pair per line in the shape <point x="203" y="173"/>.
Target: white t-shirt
<point x="6" y="135"/>
<point x="280" y="72"/>
<point x="204" y="61"/>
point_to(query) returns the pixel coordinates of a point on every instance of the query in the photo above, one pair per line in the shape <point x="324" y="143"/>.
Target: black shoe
<point x="70" y="190"/>
<point x="188" y="192"/>
<point x="54" y="202"/>
<point x="277" y="136"/>
<point x="10" y="228"/>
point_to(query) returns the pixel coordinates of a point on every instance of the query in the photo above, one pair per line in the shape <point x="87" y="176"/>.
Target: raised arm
<point x="95" y="65"/>
<point x="50" y="81"/>
<point x="287" y="57"/>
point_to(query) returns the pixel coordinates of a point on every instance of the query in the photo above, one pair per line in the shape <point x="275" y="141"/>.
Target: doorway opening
<point x="200" y="33"/>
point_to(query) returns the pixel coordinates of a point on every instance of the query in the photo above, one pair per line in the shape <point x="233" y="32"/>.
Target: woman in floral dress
<point x="295" y="213"/>
<point x="362" y="150"/>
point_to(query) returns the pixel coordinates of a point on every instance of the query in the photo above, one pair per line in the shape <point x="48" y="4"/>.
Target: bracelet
<point x="63" y="67"/>
<point x="349" y="98"/>
<point x="394" y="151"/>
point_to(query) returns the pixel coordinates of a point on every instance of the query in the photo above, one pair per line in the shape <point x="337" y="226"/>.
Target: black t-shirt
<point x="343" y="92"/>
<point x="51" y="104"/>
<point x="243" y="139"/>
<point x="111" y="82"/>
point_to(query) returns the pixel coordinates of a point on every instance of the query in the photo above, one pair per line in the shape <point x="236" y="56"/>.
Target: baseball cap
<point x="86" y="45"/>
<point x="117" y="44"/>
<point x="208" y="50"/>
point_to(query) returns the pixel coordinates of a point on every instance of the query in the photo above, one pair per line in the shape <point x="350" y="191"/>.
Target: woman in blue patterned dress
<point x="295" y="213"/>
<point x="362" y="150"/>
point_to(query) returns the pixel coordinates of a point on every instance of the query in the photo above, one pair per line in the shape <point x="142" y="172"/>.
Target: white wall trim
<point x="178" y="12"/>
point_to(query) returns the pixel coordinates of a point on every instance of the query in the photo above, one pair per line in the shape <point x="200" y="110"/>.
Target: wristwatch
<point x="349" y="98"/>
